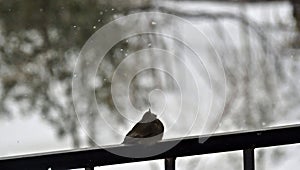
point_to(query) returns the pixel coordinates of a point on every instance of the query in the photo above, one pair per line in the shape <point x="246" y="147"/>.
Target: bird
<point x="148" y="130"/>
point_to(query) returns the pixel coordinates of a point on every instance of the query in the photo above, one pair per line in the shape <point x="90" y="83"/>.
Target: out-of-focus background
<point x="40" y="41"/>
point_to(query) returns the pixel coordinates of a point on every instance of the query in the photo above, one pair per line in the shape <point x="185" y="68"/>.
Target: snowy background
<point x="255" y="42"/>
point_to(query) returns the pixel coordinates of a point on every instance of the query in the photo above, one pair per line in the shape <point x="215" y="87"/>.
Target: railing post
<point x="170" y="163"/>
<point x="249" y="161"/>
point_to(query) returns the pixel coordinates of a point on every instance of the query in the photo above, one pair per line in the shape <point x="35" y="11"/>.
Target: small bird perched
<point x="148" y="130"/>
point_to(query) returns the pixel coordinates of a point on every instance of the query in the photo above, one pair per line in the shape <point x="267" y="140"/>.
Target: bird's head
<point x="148" y="117"/>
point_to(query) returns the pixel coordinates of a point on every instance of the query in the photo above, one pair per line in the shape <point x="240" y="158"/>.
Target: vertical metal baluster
<point x="249" y="161"/>
<point x="170" y="163"/>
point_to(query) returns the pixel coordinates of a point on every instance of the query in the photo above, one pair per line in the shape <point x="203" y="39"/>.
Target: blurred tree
<point x="40" y="41"/>
<point x="39" y="44"/>
<point x="296" y="15"/>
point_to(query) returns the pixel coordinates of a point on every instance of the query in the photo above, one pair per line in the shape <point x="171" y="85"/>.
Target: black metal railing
<point x="222" y="142"/>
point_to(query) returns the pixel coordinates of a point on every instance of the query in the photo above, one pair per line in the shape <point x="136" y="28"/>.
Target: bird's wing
<point x="144" y="130"/>
<point x="140" y="130"/>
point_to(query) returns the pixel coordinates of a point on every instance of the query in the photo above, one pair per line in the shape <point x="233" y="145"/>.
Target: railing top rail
<point x="220" y="142"/>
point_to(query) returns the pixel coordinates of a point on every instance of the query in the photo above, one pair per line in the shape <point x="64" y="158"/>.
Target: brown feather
<point x="146" y="132"/>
